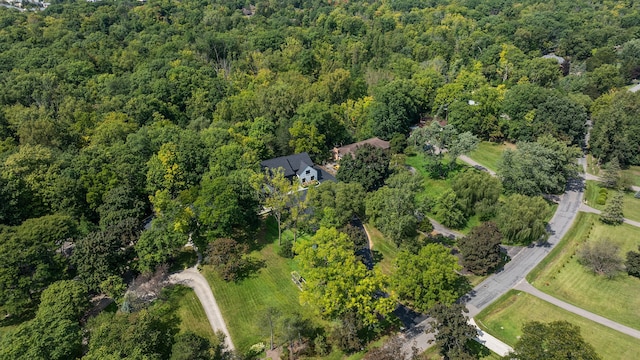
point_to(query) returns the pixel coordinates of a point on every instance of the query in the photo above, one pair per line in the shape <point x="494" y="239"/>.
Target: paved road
<point x="635" y="88"/>
<point x="523" y="285"/>
<point x="192" y="278"/>
<point x="515" y="270"/>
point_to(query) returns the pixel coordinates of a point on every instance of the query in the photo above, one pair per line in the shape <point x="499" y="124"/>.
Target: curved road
<point x="192" y="278"/>
<point x="513" y="272"/>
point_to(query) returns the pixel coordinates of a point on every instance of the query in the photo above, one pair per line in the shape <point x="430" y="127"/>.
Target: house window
<point x="313" y="177"/>
<point x="308" y="172"/>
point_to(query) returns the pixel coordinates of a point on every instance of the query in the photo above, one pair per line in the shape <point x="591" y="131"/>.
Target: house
<point x="562" y="62"/>
<point x="338" y="153"/>
<point x="297" y="166"/>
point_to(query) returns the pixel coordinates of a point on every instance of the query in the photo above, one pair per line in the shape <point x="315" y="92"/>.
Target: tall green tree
<point x="522" y="219"/>
<point x="276" y="189"/>
<point x="391" y="210"/>
<point x="480" y="250"/>
<point x="538" y="168"/>
<point x="554" y="340"/>
<point x="612" y="213"/>
<point x="336" y="282"/>
<point x="453" y="332"/>
<point x="428" y="277"/>
<point x="29" y="261"/>
<point x="369" y="166"/>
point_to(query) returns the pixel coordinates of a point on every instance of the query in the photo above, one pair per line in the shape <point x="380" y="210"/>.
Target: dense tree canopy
<point x="113" y="112"/>
<point x="336" y="282"/>
<point x="428" y="277"/>
<point x="541" y="167"/>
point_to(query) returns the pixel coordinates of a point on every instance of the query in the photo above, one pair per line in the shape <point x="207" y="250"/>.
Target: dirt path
<point x="192" y="278"/>
<point x="523" y="285"/>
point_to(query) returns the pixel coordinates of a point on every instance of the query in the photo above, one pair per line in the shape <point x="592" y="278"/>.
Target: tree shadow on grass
<point x="250" y="268"/>
<point x="377" y="256"/>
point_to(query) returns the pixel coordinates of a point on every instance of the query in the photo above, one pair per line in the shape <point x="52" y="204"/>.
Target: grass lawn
<point x="244" y="303"/>
<point x="631" y="208"/>
<point x="561" y="276"/>
<point x="385" y="251"/>
<point x="488" y="154"/>
<point x="190" y="311"/>
<point x="505" y="317"/>
<point x="633" y="172"/>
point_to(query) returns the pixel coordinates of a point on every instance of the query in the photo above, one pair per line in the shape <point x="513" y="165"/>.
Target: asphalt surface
<point x="521" y="263"/>
<point x="525" y="260"/>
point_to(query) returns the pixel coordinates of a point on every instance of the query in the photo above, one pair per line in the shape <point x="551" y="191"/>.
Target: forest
<point x="115" y="112"/>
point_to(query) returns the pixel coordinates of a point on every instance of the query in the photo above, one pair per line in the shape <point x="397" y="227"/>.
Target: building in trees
<point x="298" y="167"/>
<point x="339" y="152"/>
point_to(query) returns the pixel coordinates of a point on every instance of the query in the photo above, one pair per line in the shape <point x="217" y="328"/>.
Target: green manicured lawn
<point x="505" y="317"/>
<point x="633" y="172"/>
<point x="561" y="276"/>
<point x="243" y="303"/>
<point x="190" y="311"/>
<point x="631" y="208"/>
<point x="488" y="154"/>
<point x="385" y="251"/>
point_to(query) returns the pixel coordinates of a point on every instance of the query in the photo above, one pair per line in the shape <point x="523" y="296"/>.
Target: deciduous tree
<point x="453" y="332"/>
<point x="602" y="257"/>
<point x="336" y="282"/>
<point x="369" y="166"/>
<point x="522" y="219"/>
<point x="428" y="278"/>
<point x="480" y="249"/>
<point x="554" y="340"/>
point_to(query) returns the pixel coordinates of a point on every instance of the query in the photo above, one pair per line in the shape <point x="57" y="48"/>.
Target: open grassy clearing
<point x="190" y="311"/>
<point x="561" y="276"/>
<point x="631" y="208"/>
<point x="505" y="317"/>
<point x="244" y="303"/>
<point x="488" y="154"/>
<point x="385" y="251"/>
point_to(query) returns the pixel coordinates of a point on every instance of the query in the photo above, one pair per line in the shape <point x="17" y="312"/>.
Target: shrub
<point x="425" y="225"/>
<point x="286" y="250"/>
<point x="602" y="199"/>
<point x="633" y="263"/>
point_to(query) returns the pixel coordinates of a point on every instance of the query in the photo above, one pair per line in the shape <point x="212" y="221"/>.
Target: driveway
<point x="192" y="278"/>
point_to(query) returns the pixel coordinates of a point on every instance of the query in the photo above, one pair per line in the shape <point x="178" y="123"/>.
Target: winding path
<point x="192" y="278"/>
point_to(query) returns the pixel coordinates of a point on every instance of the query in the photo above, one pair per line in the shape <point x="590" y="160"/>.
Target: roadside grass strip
<point x="561" y="276"/>
<point x="506" y="316"/>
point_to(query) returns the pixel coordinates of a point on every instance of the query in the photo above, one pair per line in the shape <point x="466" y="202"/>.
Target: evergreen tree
<point x="612" y="213"/>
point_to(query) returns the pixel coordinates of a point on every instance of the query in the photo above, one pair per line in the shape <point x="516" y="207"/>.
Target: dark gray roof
<point x="290" y="163"/>
<point x="303" y="165"/>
